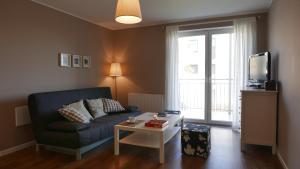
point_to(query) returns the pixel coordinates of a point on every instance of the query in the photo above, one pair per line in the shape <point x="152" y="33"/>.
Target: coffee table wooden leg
<point x="116" y="137"/>
<point x="161" y="149"/>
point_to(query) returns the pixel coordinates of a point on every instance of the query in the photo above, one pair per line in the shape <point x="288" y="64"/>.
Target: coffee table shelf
<point x="148" y="139"/>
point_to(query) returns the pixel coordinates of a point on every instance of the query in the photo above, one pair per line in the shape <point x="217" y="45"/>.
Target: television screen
<point x="259" y="67"/>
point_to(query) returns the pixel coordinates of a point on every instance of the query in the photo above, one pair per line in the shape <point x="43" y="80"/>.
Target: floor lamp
<point x="115" y="71"/>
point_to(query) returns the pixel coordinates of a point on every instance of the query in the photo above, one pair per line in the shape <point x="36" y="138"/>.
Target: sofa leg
<point x="78" y="155"/>
<point x="37" y="147"/>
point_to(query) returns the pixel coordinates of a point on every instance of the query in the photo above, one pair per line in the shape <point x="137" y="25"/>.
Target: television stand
<point x="258" y="118"/>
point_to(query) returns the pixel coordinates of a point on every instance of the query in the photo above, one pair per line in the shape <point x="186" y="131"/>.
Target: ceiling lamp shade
<point x="128" y="12"/>
<point x="115" y="70"/>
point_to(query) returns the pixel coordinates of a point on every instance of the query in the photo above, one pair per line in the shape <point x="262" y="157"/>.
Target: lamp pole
<point x="116" y="89"/>
<point x="115" y="71"/>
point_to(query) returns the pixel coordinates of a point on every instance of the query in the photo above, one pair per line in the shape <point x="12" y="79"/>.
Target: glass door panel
<point x="221" y="78"/>
<point x="192" y="54"/>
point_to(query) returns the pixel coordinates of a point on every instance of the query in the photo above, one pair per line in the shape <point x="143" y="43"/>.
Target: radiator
<point x="147" y="102"/>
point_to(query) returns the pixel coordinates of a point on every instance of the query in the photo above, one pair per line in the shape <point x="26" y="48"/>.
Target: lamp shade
<point x="128" y="11"/>
<point x="115" y="69"/>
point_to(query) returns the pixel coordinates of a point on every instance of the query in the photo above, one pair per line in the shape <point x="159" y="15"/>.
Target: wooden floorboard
<point x="225" y="154"/>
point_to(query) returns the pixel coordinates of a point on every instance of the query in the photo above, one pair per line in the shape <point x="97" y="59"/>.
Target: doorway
<point x="206" y="75"/>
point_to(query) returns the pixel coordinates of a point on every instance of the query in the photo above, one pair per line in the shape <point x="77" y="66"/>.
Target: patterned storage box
<point x="195" y="140"/>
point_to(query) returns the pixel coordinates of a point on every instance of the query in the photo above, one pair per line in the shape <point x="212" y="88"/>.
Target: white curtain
<point x="245" y="44"/>
<point x="172" y="82"/>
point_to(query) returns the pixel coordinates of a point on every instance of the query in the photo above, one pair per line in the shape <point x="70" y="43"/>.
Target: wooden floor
<point x="225" y="154"/>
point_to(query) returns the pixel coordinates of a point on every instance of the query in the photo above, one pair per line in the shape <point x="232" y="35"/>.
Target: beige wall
<point x="142" y="54"/>
<point x="284" y="24"/>
<point x="31" y="36"/>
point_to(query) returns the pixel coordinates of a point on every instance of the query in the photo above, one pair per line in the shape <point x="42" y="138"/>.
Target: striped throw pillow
<point x="110" y="105"/>
<point x="79" y="106"/>
<point x="73" y="115"/>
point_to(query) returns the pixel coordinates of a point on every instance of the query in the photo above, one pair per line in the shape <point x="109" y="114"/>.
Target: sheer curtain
<point x="245" y="44"/>
<point x="172" y="82"/>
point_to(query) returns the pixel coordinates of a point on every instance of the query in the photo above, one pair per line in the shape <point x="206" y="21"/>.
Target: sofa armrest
<point x="66" y="126"/>
<point x="132" y="108"/>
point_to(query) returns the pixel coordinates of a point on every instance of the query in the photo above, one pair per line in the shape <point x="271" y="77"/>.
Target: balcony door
<point x="205" y="75"/>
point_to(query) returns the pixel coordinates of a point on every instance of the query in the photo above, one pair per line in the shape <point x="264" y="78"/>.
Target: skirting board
<point x="281" y="160"/>
<point x="17" y="148"/>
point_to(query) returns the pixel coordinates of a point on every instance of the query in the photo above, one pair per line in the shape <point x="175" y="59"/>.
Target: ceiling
<point x="101" y="12"/>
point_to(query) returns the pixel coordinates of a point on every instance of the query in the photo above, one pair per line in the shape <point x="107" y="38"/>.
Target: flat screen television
<point x="259" y="69"/>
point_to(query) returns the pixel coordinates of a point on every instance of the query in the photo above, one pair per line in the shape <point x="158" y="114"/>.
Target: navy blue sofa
<point x="56" y="133"/>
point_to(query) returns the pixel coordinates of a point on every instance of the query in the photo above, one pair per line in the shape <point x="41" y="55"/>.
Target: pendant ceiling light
<point x="128" y="11"/>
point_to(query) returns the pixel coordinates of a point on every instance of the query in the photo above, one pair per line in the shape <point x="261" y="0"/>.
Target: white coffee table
<point x="148" y="136"/>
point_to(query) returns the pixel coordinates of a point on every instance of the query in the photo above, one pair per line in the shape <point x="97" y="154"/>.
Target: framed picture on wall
<point x="86" y="61"/>
<point x="76" y="61"/>
<point x="64" y="60"/>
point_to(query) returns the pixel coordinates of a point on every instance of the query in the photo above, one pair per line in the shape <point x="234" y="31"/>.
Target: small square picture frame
<point x="76" y="61"/>
<point x="86" y="61"/>
<point x="64" y="60"/>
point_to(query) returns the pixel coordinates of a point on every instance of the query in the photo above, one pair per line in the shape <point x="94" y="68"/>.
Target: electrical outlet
<point x="22" y="116"/>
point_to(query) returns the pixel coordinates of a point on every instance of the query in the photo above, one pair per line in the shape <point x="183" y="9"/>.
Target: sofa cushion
<point x="79" y="106"/>
<point x="103" y="127"/>
<point x="73" y="115"/>
<point x="110" y="105"/>
<point x="96" y="107"/>
<point x="116" y="117"/>
<point x="66" y="126"/>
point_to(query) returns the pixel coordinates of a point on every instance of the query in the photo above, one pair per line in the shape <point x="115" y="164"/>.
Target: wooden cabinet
<point x="258" y="118"/>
